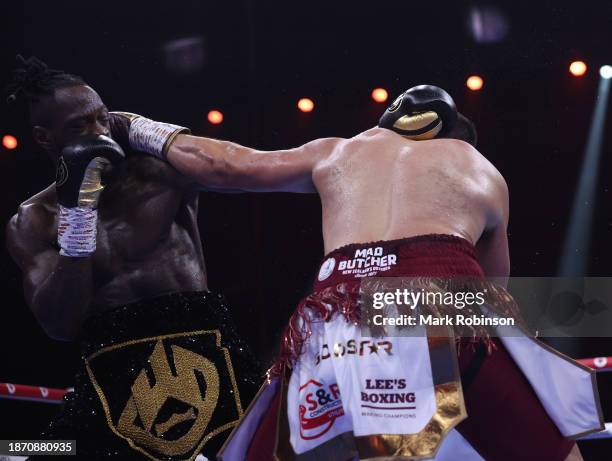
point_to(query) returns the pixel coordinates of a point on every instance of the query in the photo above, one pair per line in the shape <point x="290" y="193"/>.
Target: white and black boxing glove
<point x="422" y="112"/>
<point x="78" y="185"/>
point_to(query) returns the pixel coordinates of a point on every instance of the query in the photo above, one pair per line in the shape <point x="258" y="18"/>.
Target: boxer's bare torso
<point x="381" y="186"/>
<point x="148" y="241"/>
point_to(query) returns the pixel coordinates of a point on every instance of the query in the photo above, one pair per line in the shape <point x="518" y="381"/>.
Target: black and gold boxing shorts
<point x="163" y="379"/>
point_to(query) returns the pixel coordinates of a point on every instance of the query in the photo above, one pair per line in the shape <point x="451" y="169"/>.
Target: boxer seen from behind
<point x="111" y="256"/>
<point x="411" y="197"/>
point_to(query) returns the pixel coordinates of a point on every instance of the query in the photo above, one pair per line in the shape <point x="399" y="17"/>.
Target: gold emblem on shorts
<point x="146" y="401"/>
<point x="169" y="408"/>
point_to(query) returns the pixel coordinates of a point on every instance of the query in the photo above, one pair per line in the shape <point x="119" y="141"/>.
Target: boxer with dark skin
<point x="148" y="240"/>
<point x="119" y="266"/>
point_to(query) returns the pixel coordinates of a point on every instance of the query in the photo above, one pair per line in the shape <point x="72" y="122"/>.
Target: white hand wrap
<point x="153" y="137"/>
<point x="77" y="231"/>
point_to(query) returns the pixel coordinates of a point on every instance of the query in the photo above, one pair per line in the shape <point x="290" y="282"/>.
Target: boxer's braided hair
<point x="33" y="79"/>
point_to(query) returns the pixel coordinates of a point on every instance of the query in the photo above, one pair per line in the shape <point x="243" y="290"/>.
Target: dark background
<point x="259" y="57"/>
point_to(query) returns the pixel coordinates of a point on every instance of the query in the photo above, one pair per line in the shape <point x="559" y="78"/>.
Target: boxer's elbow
<point x="54" y="322"/>
<point x="56" y="330"/>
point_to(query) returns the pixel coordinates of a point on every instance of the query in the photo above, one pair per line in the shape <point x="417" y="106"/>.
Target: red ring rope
<point x="51" y="395"/>
<point x="35" y="393"/>
<point x="598" y="363"/>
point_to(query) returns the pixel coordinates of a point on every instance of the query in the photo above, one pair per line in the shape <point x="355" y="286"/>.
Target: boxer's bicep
<point x="287" y="170"/>
<point x="224" y="165"/>
<point x="277" y="171"/>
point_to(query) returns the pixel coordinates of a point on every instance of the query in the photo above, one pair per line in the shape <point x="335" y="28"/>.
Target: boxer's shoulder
<point x="46" y="197"/>
<point x="453" y="153"/>
<point x="31" y="229"/>
<point x="451" y="148"/>
<point x="39" y="210"/>
<point x="461" y="161"/>
<point x="375" y="135"/>
<point x="470" y="159"/>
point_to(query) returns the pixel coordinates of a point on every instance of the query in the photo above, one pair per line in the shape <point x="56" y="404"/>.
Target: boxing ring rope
<point x="601" y="364"/>
<point x="53" y="395"/>
<point x="32" y="393"/>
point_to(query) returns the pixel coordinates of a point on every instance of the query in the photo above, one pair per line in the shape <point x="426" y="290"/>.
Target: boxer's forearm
<point x="60" y="301"/>
<point x="210" y="162"/>
<point x="224" y="165"/>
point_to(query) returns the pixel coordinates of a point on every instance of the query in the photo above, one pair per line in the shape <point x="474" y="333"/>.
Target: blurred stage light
<point x="487" y="24"/>
<point x="380" y="95"/>
<point x="9" y="142"/>
<point x="578" y="240"/>
<point x="578" y="68"/>
<point x="605" y="71"/>
<point x="305" y="105"/>
<point x="185" y="55"/>
<point x="215" y="117"/>
<point x="474" y="82"/>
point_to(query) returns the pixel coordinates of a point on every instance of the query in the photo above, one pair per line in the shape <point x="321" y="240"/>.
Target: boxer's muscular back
<point x="148" y="241"/>
<point x="380" y="186"/>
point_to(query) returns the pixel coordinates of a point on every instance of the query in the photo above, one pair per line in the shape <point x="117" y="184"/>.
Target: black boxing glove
<point x="422" y="112"/>
<point x="78" y="186"/>
<point x="143" y="134"/>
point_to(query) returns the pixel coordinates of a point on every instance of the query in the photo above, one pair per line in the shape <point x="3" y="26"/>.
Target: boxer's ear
<point x="44" y="138"/>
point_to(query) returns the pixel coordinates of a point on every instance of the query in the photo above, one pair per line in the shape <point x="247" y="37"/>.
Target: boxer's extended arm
<point x="57" y="288"/>
<point x="225" y="165"/>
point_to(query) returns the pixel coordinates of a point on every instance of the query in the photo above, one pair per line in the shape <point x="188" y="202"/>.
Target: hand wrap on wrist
<point x="77" y="231"/>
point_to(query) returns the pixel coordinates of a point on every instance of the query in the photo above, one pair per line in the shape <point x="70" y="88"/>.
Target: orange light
<point x="578" y="68"/>
<point x="305" y="105"/>
<point x="10" y="142"/>
<point x="380" y="95"/>
<point x="215" y="117"/>
<point x="474" y="82"/>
